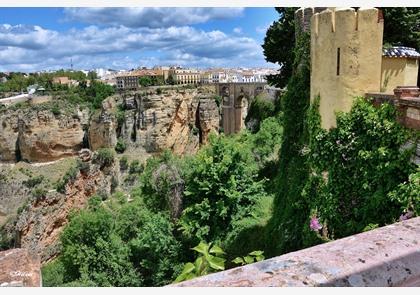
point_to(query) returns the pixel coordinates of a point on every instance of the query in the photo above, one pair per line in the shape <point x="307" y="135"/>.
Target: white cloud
<point x="262" y="29"/>
<point x="152" y="17"/>
<point x="34" y="48"/>
<point x="237" y="30"/>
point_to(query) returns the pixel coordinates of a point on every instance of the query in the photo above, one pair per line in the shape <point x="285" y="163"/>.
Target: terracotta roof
<point x="400" y="51"/>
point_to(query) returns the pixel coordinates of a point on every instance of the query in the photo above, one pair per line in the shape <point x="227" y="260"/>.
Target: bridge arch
<point x="236" y="99"/>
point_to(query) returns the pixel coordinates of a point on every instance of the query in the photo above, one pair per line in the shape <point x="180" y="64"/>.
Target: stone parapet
<point x="387" y="256"/>
<point x="407" y="101"/>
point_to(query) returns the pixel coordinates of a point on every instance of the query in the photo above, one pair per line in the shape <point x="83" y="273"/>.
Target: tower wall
<point x="346" y="56"/>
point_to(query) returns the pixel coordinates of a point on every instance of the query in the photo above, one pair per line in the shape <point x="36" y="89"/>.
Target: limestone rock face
<point x="12" y="195"/>
<point x="9" y="130"/>
<point x="208" y="117"/>
<point x="102" y="131"/>
<point x="177" y="119"/>
<point x="40" y="223"/>
<point x="171" y="120"/>
<point x="19" y="268"/>
<point x="39" y="135"/>
<point x="43" y="137"/>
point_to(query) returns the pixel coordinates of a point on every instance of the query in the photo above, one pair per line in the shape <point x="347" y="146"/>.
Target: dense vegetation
<point x="402" y="26"/>
<point x="279" y="43"/>
<point x="88" y="92"/>
<point x="331" y="184"/>
<point x="286" y="185"/>
<point x="218" y="195"/>
<point x="17" y="82"/>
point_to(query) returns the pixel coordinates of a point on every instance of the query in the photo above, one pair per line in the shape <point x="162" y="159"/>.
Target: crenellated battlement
<point x="332" y="21"/>
<point x="346" y="57"/>
<point x="303" y="16"/>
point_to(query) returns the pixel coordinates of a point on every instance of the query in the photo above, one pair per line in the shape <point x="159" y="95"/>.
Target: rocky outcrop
<point x="102" y="131"/>
<point x="208" y="117"/>
<point x="43" y="137"/>
<point x="42" y="221"/>
<point x="12" y="195"/>
<point x="175" y="120"/>
<point x="19" y="268"/>
<point x="39" y="135"/>
<point x="9" y="131"/>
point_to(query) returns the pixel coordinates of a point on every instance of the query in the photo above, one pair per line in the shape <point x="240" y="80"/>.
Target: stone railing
<point x="387" y="256"/>
<point x="407" y="101"/>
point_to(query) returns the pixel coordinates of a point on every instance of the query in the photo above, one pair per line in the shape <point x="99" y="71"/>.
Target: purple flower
<point x="406" y="216"/>
<point x="314" y="224"/>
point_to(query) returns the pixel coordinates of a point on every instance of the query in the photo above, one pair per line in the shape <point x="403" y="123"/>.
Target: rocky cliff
<point x="147" y="122"/>
<point x="178" y="120"/>
<point x="39" y="135"/>
<point x="175" y="119"/>
<point x="42" y="220"/>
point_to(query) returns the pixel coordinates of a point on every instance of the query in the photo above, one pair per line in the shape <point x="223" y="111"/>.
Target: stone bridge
<point x="236" y="97"/>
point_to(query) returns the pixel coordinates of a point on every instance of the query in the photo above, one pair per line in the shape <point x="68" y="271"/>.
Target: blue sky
<point x="34" y="39"/>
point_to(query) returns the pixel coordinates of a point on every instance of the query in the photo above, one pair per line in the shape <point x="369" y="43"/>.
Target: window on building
<point x="338" y="61"/>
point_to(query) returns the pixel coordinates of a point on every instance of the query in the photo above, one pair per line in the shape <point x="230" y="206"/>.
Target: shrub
<point x="33" y="181"/>
<point x="56" y="110"/>
<point x="92" y="251"/>
<point x="135" y="167"/>
<point x="124" y="163"/>
<point x="70" y="176"/>
<point x="104" y="157"/>
<point x="220" y="188"/>
<point x="195" y="130"/>
<point x="154" y="250"/>
<point x="162" y="184"/>
<point x="358" y="169"/>
<point x="120" y="147"/>
<point x="260" y="109"/>
<point x="407" y="195"/>
<point x="120" y="115"/>
<point x="39" y="193"/>
<point x="218" y="100"/>
<point x="83" y="167"/>
<point x="210" y="260"/>
<point x="254" y="256"/>
<point x="53" y="274"/>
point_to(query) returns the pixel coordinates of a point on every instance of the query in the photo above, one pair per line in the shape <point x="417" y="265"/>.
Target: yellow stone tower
<point x="346" y="57"/>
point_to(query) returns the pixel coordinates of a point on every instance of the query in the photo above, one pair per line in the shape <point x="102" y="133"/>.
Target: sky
<point x="36" y="39"/>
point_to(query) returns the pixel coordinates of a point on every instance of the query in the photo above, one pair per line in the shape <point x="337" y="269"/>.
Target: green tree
<point x="92" y="76"/>
<point x="92" y="251"/>
<point x="265" y="146"/>
<point x="355" y="167"/>
<point x="289" y="212"/>
<point x="278" y="45"/>
<point x="221" y="187"/>
<point x="402" y="26"/>
<point x="145" y="81"/>
<point x="155" y="253"/>
<point x="96" y="93"/>
<point x="260" y="109"/>
<point x="170" y="80"/>
<point x="162" y="184"/>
